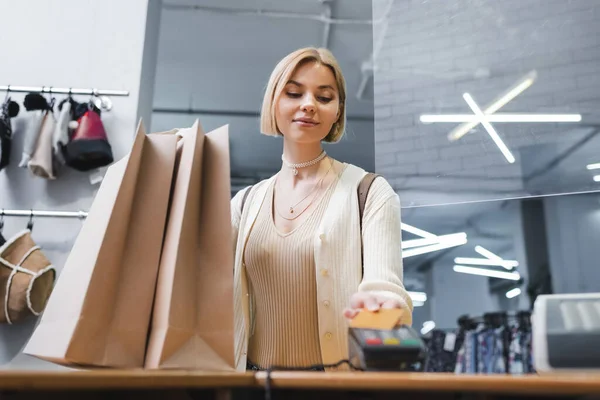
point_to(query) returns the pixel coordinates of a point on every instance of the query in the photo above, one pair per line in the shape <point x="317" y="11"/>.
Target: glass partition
<point x="480" y="100"/>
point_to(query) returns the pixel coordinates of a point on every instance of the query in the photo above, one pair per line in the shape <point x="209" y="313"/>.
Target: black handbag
<point x="10" y="109"/>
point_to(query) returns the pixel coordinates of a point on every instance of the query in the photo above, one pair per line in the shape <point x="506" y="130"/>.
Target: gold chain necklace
<point x="292" y="208"/>
<point x="317" y="186"/>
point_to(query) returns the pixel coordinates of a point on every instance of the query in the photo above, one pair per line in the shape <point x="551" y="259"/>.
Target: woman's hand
<point x="370" y="301"/>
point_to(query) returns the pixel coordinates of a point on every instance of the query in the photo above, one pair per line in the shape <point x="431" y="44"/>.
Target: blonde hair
<point x="282" y="74"/>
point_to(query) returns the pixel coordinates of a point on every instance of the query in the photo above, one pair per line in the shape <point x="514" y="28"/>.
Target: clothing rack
<point x="495" y="318"/>
<point x="40" y="213"/>
<point x="51" y="89"/>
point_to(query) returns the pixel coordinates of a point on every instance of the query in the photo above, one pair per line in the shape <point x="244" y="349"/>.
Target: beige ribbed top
<point x="281" y="273"/>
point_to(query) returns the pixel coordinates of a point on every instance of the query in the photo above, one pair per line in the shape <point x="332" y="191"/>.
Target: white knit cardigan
<point x="337" y="250"/>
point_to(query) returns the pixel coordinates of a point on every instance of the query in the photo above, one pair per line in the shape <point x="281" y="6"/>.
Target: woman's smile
<point x="306" y="122"/>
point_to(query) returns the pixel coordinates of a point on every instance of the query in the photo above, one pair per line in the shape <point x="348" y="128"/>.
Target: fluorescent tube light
<point x="489" y="128"/>
<point x="487" y="254"/>
<point x="507" y="264"/>
<point x="593" y="166"/>
<point x="597" y="178"/>
<point x="514" y="276"/>
<point x="418" y="303"/>
<point x="418" y="296"/>
<point x="454" y="118"/>
<point x="513" y="293"/>
<point x="409" y="244"/>
<point x="461" y="238"/>
<point x="427" y="327"/>
<point x="417" y="231"/>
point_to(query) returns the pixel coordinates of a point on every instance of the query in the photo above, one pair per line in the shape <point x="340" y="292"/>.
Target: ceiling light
<point x="489" y="128"/>
<point x="418" y="296"/>
<point x="454" y="118"/>
<point x="428" y="241"/>
<point x="408" y="244"/>
<point x="427" y="327"/>
<point x="487" y="254"/>
<point x="458" y="240"/>
<point x="514" y="276"/>
<point x="513" y="293"/>
<point x="597" y="178"/>
<point x="507" y="264"/>
<point x="491" y="259"/>
<point x="593" y="166"/>
<point x="416" y="231"/>
<point x="495" y="105"/>
<point x="418" y="303"/>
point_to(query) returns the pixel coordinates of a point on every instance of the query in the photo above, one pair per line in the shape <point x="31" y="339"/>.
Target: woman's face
<point x="309" y="104"/>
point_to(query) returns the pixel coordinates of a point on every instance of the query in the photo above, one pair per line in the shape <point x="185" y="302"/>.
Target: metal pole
<point x="39" y="213"/>
<point x="51" y="89"/>
<point x="253" y="114"/>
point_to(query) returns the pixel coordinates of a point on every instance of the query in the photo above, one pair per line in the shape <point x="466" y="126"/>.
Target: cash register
<point x="566" y="332"/>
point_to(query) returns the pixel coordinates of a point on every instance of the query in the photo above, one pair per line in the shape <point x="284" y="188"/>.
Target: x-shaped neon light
<point x="488" y="115"/>
<point x="489" y="128"/>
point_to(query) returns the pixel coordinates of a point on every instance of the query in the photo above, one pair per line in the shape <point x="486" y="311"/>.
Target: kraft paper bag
<point x="192" y="322"/>
<point x="99" y="311"/>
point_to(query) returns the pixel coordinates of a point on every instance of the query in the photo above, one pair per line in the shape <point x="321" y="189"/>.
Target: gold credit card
<point x="384" y="318"/>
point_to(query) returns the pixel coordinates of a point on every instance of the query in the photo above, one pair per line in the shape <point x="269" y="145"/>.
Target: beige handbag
<point x="41" y="159"/>
<point x="26" y="278"/>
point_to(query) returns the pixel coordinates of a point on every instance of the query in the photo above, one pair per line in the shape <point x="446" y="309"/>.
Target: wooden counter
<point x="288" y="385"/>
<point x="555" y="384"/>
<point x="121" y="379"/>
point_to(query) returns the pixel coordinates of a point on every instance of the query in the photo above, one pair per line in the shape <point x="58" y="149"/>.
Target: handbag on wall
<point x="26" y="278"/>
<point x="8" y="110"/>
<point x="88" y="147"/>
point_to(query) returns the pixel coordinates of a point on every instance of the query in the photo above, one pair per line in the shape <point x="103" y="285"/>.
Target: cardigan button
<point x="326" y="303"/>
<point x="328" y="336"/>
<point x="322" y="237"/>
<point x="324" y="272"/>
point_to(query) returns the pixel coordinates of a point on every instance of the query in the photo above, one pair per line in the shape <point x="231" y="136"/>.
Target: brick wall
<point x="434" y="51"/>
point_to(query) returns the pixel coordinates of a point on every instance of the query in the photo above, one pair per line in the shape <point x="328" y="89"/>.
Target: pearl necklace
<point x="295" y="167"/>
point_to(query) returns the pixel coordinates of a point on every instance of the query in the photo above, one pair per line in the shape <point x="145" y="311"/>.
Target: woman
<point x="297" y="237"/>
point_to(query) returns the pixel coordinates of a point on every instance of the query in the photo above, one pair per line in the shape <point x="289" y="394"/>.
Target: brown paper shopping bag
<point x="99" y="311"/>
<point x="192" y="322"/>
